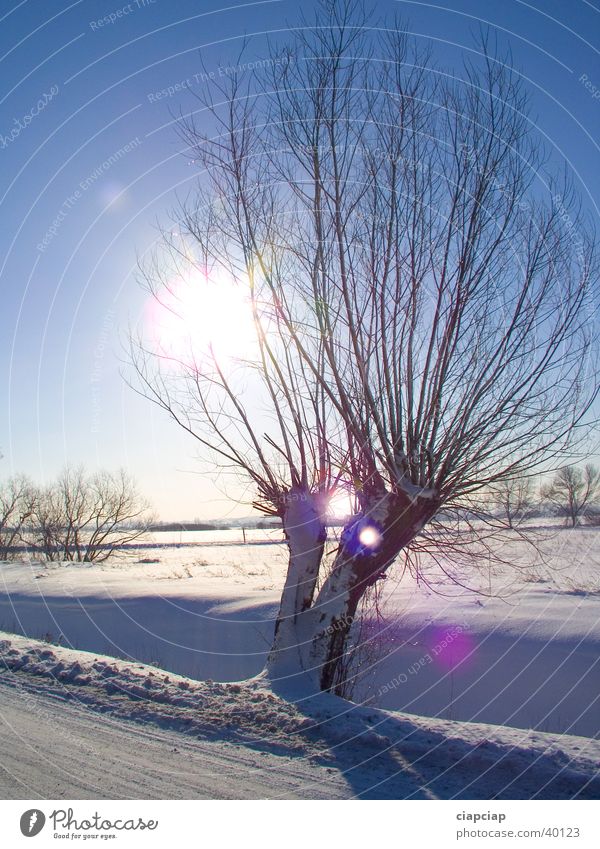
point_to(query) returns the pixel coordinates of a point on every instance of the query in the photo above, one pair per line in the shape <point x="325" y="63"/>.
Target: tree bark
<point x="397" y="520"/>
<point x="306" y="533"/>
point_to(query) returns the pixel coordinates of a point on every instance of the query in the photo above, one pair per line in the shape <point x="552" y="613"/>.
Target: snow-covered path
<point x="78" y="725"/>
<point x="54" y="749"/>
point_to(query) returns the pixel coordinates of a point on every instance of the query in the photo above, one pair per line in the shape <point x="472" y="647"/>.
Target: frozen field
<point x="527" y="656"/>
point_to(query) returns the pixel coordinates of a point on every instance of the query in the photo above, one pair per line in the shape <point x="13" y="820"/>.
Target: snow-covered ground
<point x="523" y="652"/>
<point x="79" y="725"/>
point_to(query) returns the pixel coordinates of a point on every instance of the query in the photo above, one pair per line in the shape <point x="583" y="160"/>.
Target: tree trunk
<point x="305" y="533"/>
<point x="311" y="634"/>
<point x="357" y="566"/>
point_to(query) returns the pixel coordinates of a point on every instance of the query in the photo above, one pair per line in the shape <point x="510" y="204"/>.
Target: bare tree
<point x="573" y="491"/>
<point x="16" y="506"/>
<point x="419" y="307"/>
<point x="86" y="518"/>
<point x="43" y="533"/>
<point x="513" y="497"/>
<point x="119" y="514"/>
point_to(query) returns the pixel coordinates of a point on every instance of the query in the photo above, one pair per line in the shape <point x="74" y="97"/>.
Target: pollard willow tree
<point x="420" y="306"/>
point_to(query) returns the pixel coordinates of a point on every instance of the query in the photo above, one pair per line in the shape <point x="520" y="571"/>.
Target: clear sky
<point x="89" y="161"/>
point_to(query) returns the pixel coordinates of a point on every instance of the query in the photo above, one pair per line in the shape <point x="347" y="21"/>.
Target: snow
<point x="205" y="621"/>
<point x="528" y="657"/>
<point x="525" y="657"/>
<point x="60" y="740"/>
<point x="156" y="734"/>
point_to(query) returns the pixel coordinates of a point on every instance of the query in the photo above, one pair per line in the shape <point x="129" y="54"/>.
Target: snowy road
<point x="52" y="749"/>
<point x="76" y="725"/>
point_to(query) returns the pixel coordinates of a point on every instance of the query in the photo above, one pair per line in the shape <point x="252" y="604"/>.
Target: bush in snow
<point x="85" y="517"/>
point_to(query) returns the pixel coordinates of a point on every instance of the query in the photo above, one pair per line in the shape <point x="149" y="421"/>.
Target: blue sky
<point x="86" y="75"/>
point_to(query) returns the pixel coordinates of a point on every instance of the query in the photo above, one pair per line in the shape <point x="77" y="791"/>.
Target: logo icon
<point x="32" y="822"/>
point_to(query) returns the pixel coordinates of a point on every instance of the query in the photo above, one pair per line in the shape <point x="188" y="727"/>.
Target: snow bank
<point x="426" y="758"/>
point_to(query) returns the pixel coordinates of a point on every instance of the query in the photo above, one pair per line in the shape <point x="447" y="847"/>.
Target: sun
<point x="202" y="316"/>
<point x="340" y="504"/>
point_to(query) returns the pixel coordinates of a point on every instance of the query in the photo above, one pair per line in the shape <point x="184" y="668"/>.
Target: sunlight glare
<point x="339" y="505"/>
<point x="201" y="316"/>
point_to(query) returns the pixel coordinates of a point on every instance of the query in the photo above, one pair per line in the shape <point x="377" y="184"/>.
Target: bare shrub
<point x="573" y="492"/>
<point x="513" y="499"/>
<point x="16" y="507"/>
<point x="86" y="518"/>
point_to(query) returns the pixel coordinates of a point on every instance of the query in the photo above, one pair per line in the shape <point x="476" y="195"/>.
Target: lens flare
<point x="362" y="537"/>
<point x="451" y="646"/>
<point x="370" y="537"/>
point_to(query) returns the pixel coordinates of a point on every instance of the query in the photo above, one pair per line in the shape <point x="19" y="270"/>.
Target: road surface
<point x="53" y="749"/>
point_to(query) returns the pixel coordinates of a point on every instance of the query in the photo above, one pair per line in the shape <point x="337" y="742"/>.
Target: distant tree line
<point x="85" y="517"/>
<point x="175" y="527"/>
<point x="572" y="493"/>
<point x="78" y="517"/>
<point x="197" y="525"/>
